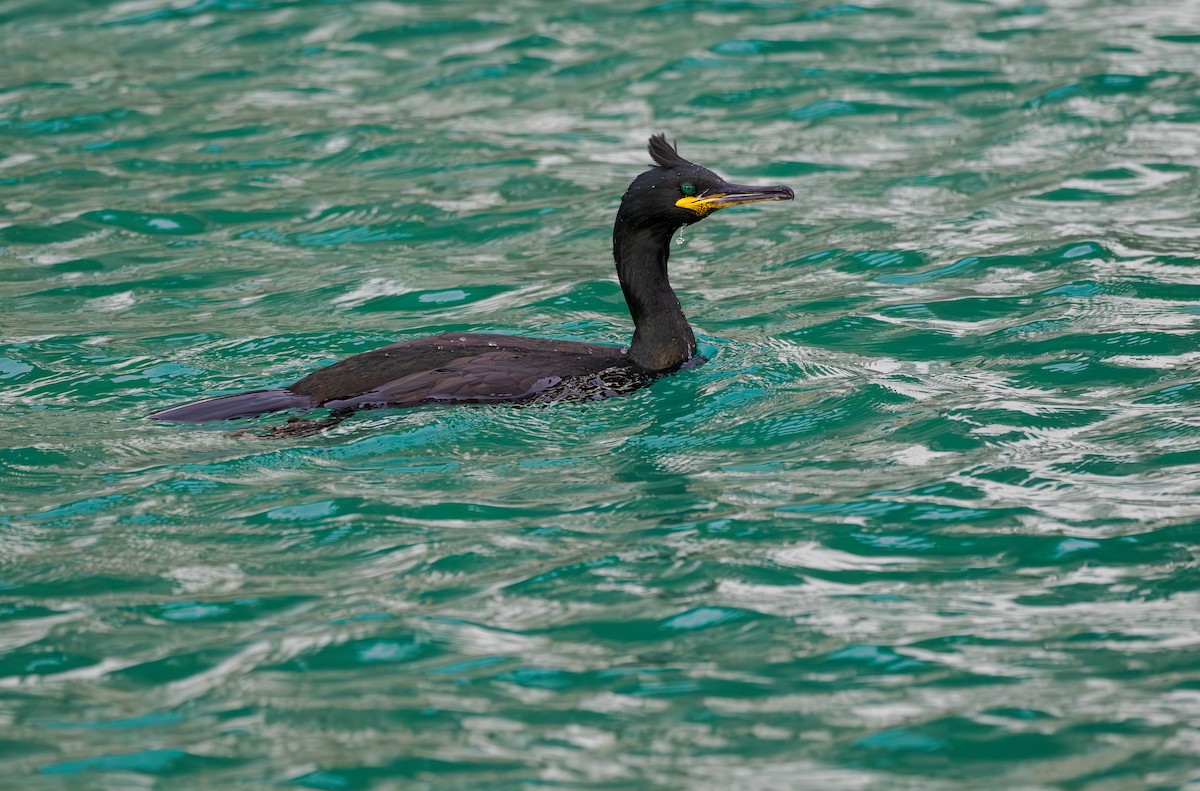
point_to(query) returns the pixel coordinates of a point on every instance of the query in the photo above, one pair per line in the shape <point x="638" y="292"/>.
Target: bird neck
<point x="662" y="337"/>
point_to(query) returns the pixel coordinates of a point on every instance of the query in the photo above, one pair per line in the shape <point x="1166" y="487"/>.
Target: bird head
<point x="677" y="192"/>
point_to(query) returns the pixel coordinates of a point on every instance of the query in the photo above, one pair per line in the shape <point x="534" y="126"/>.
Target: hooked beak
<point x="733" y="195"/>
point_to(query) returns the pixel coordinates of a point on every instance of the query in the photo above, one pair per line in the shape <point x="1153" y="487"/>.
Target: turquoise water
<point x="928" y="520"/>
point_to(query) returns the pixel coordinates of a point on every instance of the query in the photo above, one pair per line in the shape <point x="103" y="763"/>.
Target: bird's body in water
<point x="483" y="368"/>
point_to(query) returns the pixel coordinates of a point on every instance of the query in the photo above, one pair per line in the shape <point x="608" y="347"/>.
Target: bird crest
<point x="664" y="154"/>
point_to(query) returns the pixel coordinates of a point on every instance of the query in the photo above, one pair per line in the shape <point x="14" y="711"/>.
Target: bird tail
<point x="224" y="407"/>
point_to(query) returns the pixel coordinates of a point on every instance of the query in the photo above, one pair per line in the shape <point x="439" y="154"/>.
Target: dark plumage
<point x="485" y="368"/>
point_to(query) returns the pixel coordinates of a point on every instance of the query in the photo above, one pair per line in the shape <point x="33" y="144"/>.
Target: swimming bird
<point x="479" y="368"/>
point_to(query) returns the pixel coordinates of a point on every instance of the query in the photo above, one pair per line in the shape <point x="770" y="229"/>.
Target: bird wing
<point x="499" y="375"/>
<point x="408" y="363"/>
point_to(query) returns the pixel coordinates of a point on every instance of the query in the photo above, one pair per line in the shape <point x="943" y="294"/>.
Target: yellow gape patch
<point x="702" y="206"/>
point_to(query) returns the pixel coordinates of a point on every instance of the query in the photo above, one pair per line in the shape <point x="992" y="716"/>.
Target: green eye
<point x="687" y="189"/>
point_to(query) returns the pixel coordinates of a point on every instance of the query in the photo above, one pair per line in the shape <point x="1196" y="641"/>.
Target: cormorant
<point x="474" y="367"/>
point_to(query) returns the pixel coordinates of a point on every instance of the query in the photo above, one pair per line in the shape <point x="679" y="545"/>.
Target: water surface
<point x="927" y="520"/>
